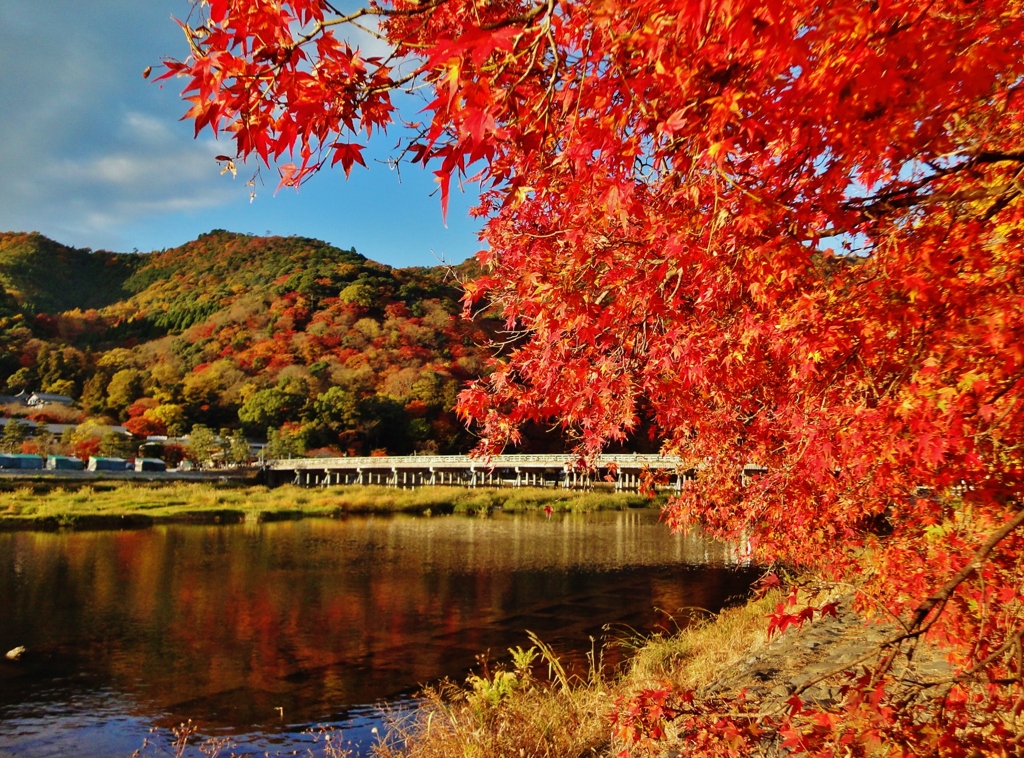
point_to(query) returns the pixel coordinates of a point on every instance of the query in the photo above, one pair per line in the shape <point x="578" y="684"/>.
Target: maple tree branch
<point x="998" y="157"/>
<point x="1013" y="641"/>
<point x="523" y="18"/>
<point x="942" y="596"/>
<point x="371" y="32"/>
<point x="393" y="83"/>
<point x="915" y="628"/>
<point x="904" y="197"/>
<point x="351" y="18"/>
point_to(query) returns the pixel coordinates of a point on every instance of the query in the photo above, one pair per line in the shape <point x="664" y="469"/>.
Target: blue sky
<point x="93" y="155"/>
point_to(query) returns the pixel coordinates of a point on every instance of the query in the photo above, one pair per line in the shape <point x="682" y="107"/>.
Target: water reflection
<point x="255" y="629"/>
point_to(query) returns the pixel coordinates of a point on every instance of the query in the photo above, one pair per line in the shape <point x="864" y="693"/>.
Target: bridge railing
<point x="391" y="462"/>
<point x="622" y="471"/>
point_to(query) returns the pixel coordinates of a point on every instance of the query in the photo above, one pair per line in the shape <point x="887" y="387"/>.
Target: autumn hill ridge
<point x="325" y="347"/>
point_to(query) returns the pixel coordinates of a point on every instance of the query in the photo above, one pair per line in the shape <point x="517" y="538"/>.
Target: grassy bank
<point x="46" y="505"/>
<point x="533" y="708"/>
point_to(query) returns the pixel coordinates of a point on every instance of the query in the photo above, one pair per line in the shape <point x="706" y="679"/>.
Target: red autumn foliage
<point x="145" y="426"/>
<point x="140" y="406"/>
<point x="54" y="415"/>
<point x="787" y="233"/>
<point x="87" y="447"/>
<point x="416" y="409"/>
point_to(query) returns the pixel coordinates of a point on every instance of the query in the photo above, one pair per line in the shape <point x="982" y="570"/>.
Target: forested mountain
<point x="321" y="346"/>
<point x="45" y="276"/>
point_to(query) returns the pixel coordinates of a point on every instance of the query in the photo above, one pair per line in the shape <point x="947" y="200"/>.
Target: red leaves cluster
<point x="783" y="233"/>
<point x="640" y="720"/>
<point x="705" y="726"/>
<point x="786" y="614"/>
<point x="279" y="81"/>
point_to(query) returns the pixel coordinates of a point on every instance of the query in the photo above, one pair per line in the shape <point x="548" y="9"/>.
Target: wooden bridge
<point x="619" y="472"/>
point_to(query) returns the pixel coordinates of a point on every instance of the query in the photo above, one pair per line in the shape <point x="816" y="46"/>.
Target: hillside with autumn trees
<point x="322" y="347"/>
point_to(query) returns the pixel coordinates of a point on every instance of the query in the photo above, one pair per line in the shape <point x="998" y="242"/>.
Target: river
<point x="259" y="632"/>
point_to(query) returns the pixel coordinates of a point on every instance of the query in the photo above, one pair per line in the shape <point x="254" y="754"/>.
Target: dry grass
<point x="511" y="713"/>
<point x="507" y="712"/>
<point x="701" y="652"/>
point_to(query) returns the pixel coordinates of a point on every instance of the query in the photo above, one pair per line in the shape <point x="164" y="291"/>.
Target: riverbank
<point x="669" y="685"/>
<point x="52" y="504"/>
<point x="720" y="686"/>
<point x="539" y="709"/>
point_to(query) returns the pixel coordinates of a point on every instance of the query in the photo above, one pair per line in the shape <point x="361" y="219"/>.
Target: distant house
<point x="150" y="464"/>
<point x="20" y="461"/>
<point x="107" y="464"/>
<point x="12" y="400"/>
<point x="64" y="463"/>
<point x="37" y="399"/>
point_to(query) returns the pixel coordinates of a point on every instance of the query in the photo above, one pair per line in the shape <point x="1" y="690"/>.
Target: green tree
<point x="171" y="415"/>
<point x="359" y="293"/>
<point x="270" y="408"/>
<point x="239" y="451"/>
<point x="283" y="444"/>
<point x="202" y="444"/>
<point x="338" y="409"/>
<point x="60" y="370"/>
<point x="125" y="387"/>
<point x="385" y="425"/>
<point x="15" y="432"/>
<point x="93" y="398"/>
<point x="61" y="387"/>
<point x="115" y="445"/>
<point x="20" y="379"/>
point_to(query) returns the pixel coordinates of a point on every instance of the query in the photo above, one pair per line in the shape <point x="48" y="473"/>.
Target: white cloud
<point x="148" y="157"/>
<point x="86" y="146"/>
<point x="146" y="170"/>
